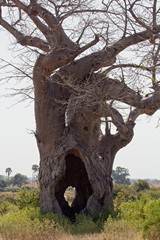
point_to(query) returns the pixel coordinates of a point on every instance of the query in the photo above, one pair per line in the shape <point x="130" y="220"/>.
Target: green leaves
<point x="28" y="198"/>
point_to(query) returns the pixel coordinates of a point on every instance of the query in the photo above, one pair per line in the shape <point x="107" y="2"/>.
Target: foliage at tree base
<point x="134" y="219"/>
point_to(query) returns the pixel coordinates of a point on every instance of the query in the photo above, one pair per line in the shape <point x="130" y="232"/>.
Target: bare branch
<point x="155" y="59"/>
<point x="116" y="117"/>
<point x="154" y="14"/>
<point x="82" y="32"/>
<point x="41" y="26"/>
<point x="3" y="3"/>
<point x="81" y="11"/>
<point x="134" y="114"/>
<point x="89" y="45"/>
<point x="25" y="40"/>
<point x="61" y="57"/>
<point x="15" y="67"/>
<point x="59" y="35"/>
<point x="137" y="19"/>
<point x="144" y="68"/>
<point x="135" y="38"/>
<point x="106" y="57"/>
<point x="126" y="19"/>
<point x="151" y="104"/>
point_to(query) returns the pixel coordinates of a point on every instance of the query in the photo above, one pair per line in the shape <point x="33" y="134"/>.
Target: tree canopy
<point x="120" y="175"/>
<point x="8" y="171"/>
<point x="19" y="179"/>
<point x="141" y="185"/>
<point x="35" y="168"/>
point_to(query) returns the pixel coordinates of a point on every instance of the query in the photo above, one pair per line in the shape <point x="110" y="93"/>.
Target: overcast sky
<point x="18" y="148"/>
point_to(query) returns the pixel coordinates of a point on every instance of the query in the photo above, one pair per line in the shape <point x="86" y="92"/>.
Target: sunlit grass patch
<point x="26" y="224"/>
<point x="120" y="230"/>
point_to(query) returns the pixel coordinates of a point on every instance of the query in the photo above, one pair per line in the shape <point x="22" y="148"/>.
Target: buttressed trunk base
<point x="92" y="188"/>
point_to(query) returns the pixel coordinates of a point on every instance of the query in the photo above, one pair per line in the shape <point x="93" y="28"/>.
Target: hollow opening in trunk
<point x="69" y="195"/>
<point x="76" y="177"/>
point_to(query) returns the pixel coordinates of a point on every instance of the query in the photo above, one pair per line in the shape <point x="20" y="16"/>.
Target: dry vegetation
<point x="63" y="236"/>
<point x="136" y="219"/>
<point x="111" y="235"/>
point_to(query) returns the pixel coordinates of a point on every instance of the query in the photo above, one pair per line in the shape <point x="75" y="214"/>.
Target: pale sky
<point x="18" y="148"/>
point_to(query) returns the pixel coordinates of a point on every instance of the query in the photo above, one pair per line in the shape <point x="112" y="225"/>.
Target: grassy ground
<point x="65" y="236"/>
<point x="62" y="236"/>
<point x="21" y="219"/>
<point x="23" y="227"/>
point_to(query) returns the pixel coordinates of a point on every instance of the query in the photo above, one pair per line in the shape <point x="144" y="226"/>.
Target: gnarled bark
<point x="71" y="149"/>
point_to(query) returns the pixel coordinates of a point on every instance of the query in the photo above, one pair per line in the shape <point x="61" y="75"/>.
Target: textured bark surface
<point x="72" y="151"/>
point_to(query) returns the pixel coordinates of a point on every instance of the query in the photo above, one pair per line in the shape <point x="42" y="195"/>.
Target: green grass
<point x="21" y="219"/>
<point x="29" y="223"/>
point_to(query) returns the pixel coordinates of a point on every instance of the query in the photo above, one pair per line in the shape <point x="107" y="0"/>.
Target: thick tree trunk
<point x="73" y="160"/>
<point x="71" y="151"/>
<point x="72" y="165"/>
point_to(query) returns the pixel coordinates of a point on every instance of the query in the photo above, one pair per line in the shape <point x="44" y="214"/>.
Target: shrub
<point x="85" y="225"/>
<point x="141" y="185"/>
<point x="82" y="225"/>
<point x="154" y="193"/>
<point x="133" y="212"/>
<point x="3" y="184"/>
<point x="28" y="198"/>
<point x="6" y="207"/>
<point x="8" y="196"/>
<point x="144" y="215"/>
<point x="27" y="224"/>
<point x="152" y="220"/>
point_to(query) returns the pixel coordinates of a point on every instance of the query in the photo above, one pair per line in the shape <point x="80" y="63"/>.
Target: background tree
<point x="120" y="176"/>
<point x="8" y="171"/>
<point x="94" y="62"/>
<point x="3" y="183"/>
<point x="19" y="180"/>
<point x="141" y="185"/>
<point x="35" y="169"/>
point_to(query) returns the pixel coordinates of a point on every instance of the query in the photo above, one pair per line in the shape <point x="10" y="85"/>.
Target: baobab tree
<point x="95" y="70"/>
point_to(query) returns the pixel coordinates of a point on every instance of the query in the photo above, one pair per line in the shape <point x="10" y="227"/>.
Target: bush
<point x="8" y="196"/>
<point x="152" y="220"/>
<point x="141" y="185"/>
<point x="120" y="188"/>
<point x="85" y="225"/>
<point x="123" y="193"/>
<point x="3" y="184"/>
<point x="154" y="193"/>
<point x="27" y="224"/>
<point x="143" y="215"/>
<point x="82" y="225"/>
<point x="133" y="212"/>
<point x="6" y="207"/>
<point x="28" y="198"/>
